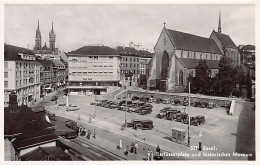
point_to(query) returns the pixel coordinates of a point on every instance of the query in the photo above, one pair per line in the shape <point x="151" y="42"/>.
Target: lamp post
<point x="125" y="107"/>
<point x="189" y="118"/>
<point x="95" y="105"/>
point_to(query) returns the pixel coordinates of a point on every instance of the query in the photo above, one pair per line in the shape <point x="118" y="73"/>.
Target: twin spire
<point x="38" y="27"/>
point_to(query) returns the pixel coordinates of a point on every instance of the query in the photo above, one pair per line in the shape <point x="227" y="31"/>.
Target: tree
<point x="200" y="82"/>
<point x="227" y="77"/>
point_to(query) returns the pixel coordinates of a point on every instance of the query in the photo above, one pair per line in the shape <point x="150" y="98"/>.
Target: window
<point x="6" y="74"/>
<point x="134" y="59"/>
<point x="137" y="59"/>
<point x="125" y="58"/>
<point x="6" y="64"/>
<point x="211" y="57"/>
<point x="164" y="41"/>
<point x="6" y="84"/>
<point x="125" y="64"/>
<point x="188" y="55"/>
<point x="194" y="55"/>
<point x="130" y="65"/>
<point x="134" y="65"/>
<point x="181" y="78"/>
<point x="110" y="57"/>
<point x="130" y="59"/>
<point x="201" y="56"/>
<point x="181" y="53"/>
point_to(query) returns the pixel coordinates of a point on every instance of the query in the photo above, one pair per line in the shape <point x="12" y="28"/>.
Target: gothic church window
<point x="180" y="77"/>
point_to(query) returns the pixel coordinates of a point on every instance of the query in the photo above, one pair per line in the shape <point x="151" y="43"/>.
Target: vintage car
<point x="158" y="100"/>
<point x="135" y="98"/>
<point x="147" y="124"/>
<point x="160" y="115"/>
<point x="200" y="119"/>
<point x="181" y="116"/>
<point x="166" y="101"/>
<point x="54" y="98"/>
<point x="144" y="112"/>
<point x="71" y="135"/>
<point x="73" y="108"/>
<point x="133" y="122"/>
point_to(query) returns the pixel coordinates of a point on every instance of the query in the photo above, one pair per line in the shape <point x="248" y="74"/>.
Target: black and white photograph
<point x="129" y="82"/>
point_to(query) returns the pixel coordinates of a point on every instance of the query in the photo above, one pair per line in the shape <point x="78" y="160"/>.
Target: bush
<point x="236" y="93"/>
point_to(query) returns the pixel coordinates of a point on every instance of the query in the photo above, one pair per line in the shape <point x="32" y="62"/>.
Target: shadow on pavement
<point x="245" y="136"/>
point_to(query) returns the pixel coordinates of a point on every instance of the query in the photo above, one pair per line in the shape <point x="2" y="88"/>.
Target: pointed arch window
<point x="181" y="77"/>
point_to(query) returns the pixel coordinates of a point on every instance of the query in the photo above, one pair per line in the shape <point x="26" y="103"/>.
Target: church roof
<point x="95" y="50"/>
<point x="225" y="40"/>
<point x="185" y="41"/>
<point x="192" y="63"/>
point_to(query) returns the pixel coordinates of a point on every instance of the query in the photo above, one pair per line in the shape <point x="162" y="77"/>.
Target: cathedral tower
<point x="52" y="38"/>
<point x="38" y="38"/>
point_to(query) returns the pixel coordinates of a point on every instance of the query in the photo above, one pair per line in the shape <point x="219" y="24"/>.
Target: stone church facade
<point x="176" y="54"/>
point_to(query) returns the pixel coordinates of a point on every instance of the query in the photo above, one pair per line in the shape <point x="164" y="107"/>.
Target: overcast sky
<point x="112" y="25"/>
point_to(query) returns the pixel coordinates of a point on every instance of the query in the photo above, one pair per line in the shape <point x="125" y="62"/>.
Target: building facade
<point x="59" y="72"/>
<point x="145" y="59"/>
<point x="21" y="74"/>
<point x="130" y="65"/>
<point x="93" y="69"/>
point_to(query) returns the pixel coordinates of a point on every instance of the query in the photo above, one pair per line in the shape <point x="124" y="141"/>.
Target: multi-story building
<point x="47" y="76"/>
<point x="59" y="70"/>
<point x="130" y="65"/>
<point x="145" y="59"/>
<point x="21" y="74"/>
<point x="93" y="69"/>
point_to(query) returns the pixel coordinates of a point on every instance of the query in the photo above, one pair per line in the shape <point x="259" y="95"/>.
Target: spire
<point x="52" y="26"/>
<point x="38" y="28"/>
<point x="219" y="22"/>
<point x="164" y="24"/>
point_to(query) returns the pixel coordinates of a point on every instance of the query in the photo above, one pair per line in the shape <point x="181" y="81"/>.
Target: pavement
<point x="108" y="125"/>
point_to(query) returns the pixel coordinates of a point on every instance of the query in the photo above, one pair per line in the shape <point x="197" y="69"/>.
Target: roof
<point x="95" y="50"/>
<point x="46" y="153"/>
<point x="11" y="52"/>
<point x="34" y="141"/>
<point x="225" y="40"/>
<point x="24" y="117"/>
<point x="58" y="63"/>
<point x="192" y="63"/>
<point x="185" y="41"/>
<point x="248" y="47"/>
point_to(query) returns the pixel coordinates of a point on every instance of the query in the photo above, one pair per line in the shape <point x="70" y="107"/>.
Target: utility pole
<point x="189" y="118"/>
<point x="125" y="107"/>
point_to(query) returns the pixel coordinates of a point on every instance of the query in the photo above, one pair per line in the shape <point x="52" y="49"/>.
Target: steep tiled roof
<point x="58" y="63"/>
<point x="11" y="52"/>
<point x="185" y="41"/>
<point x="192" y="63"/>
<point x="95" y="50"/>
<point x="24" y="118"/>
<point x="22" y="143"/>
<point x="46" y="153"/>
<point x="248" y="47"/>
<point x="225" y="40"/>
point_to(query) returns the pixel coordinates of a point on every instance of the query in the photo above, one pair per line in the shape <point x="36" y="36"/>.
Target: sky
<point x="117" y="25"/>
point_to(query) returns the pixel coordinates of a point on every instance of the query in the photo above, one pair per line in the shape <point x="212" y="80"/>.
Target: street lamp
<point x="126" y="106"/>
<point x="189" y="118"/>
<point x="95" y="105"/>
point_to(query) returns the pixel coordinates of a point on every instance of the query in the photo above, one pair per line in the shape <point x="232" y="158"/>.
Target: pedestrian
<point x="151" y="156"/>
<point x="132" y="147"/>
<point x="158" y="151"/>
<point x="120" y="144"/>
<point x="126" y="151"/>
<point x="56" y="101"/>
<point x="148" y="154"/>
<point x="94" y="135"/>
<point x="136" y="147"/>
<point x="89" y="133"/>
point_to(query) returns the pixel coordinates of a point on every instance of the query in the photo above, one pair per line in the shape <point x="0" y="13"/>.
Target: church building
<point x="176" y="54"/>
<point x="38" y="49"/>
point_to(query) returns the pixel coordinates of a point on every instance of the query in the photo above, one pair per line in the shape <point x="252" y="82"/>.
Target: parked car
<point x="54" y="98"/>
<point x="133" y="122"/>
<point x="158" y="100"/>
<point x="70" y="123"/>
<point x="73" y="108"/>
<point x="71" y="135"/>
<point x="147" y="124"/>
<point x="166" y="101"/>
<point x="181" y="116"/>
<point x="200" y="119"/>
<point x="135" y="98"/>
<point x="160" y="115"/>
